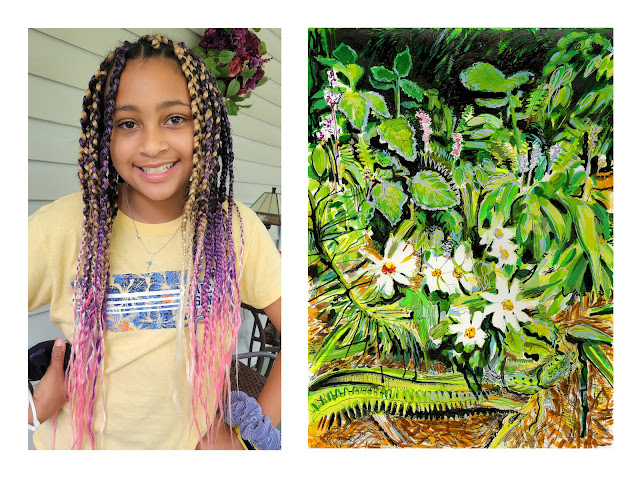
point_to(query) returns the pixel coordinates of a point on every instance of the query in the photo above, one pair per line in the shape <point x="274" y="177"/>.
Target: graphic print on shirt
<point x="145" y="301"/>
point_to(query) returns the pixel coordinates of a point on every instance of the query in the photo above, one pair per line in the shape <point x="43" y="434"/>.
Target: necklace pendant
<point x="149" y="262"/>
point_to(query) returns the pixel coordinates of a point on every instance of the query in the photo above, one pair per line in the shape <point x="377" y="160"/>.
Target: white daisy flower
<point x="463" y="265"/>
<point x="468" y="329"/>
<point x="399" y="264"/>
<point x="505" y="251"/>
<point x="505" y="306"/>
<point x="440" y="274"/>
<point x="497" y="233"/>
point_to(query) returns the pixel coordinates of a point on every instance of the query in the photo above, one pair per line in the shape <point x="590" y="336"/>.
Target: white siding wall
<point x="61" y="62"/>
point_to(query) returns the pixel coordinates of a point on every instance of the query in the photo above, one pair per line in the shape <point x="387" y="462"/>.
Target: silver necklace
<point x="151" y="254"/>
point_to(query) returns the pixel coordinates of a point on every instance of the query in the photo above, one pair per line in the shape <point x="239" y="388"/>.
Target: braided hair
<point x="208" y="249"/>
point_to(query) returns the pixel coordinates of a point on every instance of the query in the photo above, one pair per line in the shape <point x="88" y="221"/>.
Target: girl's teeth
<point x="157" y="170"/>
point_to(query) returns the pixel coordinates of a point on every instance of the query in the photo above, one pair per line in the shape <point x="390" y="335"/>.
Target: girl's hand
<point x="51" y="392"/>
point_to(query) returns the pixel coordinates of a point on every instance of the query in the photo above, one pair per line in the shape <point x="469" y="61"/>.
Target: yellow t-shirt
<point x="140" y="336"/>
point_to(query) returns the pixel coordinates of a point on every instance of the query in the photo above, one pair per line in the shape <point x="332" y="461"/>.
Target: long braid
<point x="208" y="246"/>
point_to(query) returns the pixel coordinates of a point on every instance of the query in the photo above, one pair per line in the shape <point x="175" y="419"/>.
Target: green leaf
<point x="389" y="198"/>
<point x="402" y="63"/>
<point x="377" y="102"/>
<point x="585" y="224"/>
<point x="400" y="137"/>
<point x="226" y="56"/>
<point x="600" y="360"/>
<point x="487" y="78"/>
<point x="355" y="73"/>
<point x="492" y="102"/>
<point x="411" y="89"/>
<point x="432" y="191"/>
<point x="319" y="160"/>
<point x="356" y="108"/>
<point x="379" y="85"/>
<point x="585" y="332"/>
<point x="380" y="73"/>
<point x="232" y="108"/>
<point x="345" y="54"/>
<point x="233" y="88"/>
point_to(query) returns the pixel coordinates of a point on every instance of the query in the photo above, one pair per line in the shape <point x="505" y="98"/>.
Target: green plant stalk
<point x="397" y="96"/>
<point x="512" y="112"/>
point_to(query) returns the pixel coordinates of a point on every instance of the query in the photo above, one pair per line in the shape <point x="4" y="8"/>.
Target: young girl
<point x="145" y="269"/>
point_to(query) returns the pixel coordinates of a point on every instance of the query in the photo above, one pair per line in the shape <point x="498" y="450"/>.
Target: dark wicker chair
<point x="249" y="371"/>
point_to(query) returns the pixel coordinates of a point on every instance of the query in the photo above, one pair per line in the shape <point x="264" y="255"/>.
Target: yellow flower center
<point x="436" y="273"/>
<point x="388" y="268"/>
<point x="504" y="255"/>
<point x="458" y="272"/>
<point x="470" y="332"/>
<point x="498" y="233"/>
<point x="507" y="305"/>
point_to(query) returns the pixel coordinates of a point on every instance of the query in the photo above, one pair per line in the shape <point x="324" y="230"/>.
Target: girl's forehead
<point x="154" y="76"/>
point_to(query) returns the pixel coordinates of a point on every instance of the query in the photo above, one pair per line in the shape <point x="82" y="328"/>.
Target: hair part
<point x="208" y="246"/>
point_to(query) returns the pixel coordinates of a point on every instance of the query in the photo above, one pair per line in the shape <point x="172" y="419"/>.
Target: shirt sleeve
<point x="40" y="278"/>
<point x="260" y="278"/>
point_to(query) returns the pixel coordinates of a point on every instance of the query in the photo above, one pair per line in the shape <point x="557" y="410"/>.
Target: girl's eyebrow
<point x="161" y="106"/>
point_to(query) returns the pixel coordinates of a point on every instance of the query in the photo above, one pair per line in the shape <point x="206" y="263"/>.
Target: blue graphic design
<point x="146" y="301"/>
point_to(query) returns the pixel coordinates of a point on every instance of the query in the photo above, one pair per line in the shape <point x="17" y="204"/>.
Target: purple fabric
<point x="256" y="428"/>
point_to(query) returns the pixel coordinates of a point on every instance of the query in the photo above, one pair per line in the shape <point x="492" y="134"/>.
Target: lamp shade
<point x="267" y="207"/>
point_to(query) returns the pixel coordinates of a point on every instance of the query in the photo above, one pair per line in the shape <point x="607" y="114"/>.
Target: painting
<point x="460" y="237"/>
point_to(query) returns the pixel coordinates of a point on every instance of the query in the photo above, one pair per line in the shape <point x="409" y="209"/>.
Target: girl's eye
<point x="175" y="120"/>
<point x="127" y="125"/>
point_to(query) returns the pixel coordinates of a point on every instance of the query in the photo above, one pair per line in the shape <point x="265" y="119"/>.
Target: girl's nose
<point x="153" y="142"/>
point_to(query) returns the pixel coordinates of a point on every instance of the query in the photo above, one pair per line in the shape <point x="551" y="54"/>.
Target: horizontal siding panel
<point x="48" y="181"/>
<point x="60" y="61"/>
<point x="256" y="129"/>
<point x="96" y="40"/>
<point x="254" y="151"/>
<point x="52" y="142"/>
<point x="262" y="109"/>
<point x="54" y="102"/>
<point x="271" y="38"/>
<point x="269" y="91"/>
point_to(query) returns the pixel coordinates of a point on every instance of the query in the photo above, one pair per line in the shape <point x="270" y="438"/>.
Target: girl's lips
<point x="156" y="174"/>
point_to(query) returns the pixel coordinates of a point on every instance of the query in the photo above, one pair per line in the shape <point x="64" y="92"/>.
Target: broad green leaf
<point x="400" y="137"/>
<point x="492" y="102"/>
<point x="585" y="224"/>
<point x="320" y="160"/>
<point x="380" y="85"/>
<point x="411" y="89"/>
<point x="377" y="102"/>
<point x="233" y="88"/>
<point x="356" y="108"/>
<point x="432" y="191"/>
<point x="389" y="198"/>
<point x="555" y="219"/>
<point x="585" y="332"/>
<point x="380" y="73"/>
<point x="600" y="360"/>
<point x="355" y="72"/>
<point x="485" y="77"/>
<point x="345" y="54"/>
<point x="226" y="56"/>
<point x="402" y="63"/>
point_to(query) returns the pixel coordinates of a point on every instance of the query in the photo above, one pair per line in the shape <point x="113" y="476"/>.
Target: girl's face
<point x="152" y="139"/>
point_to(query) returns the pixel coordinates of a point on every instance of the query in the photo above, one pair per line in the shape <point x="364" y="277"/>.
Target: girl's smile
<point x="152" y="139"/>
